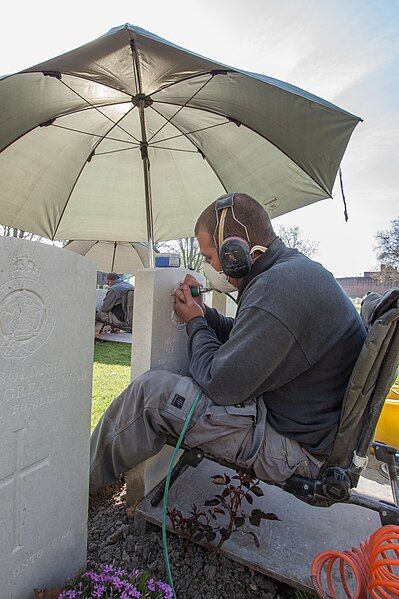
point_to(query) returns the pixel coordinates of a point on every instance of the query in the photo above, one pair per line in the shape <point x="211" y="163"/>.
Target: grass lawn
<point x="111" y="374"/>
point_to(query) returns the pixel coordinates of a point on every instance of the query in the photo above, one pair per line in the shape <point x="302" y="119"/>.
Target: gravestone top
<point x="47" y="299"/>
<point x="160" y="340"/>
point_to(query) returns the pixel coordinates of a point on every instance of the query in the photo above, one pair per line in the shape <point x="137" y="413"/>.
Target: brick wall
<point x="358" y="286"/>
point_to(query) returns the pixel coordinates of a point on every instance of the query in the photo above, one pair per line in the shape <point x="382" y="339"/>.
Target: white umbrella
<point x="113" y="256"/>
<point x="131" y="137"/>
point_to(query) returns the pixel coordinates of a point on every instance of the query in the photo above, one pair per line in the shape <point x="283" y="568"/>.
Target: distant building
<point x="356" y="287"/>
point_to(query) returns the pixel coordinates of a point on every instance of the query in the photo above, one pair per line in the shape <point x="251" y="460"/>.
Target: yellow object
<point x="387" y="430"/>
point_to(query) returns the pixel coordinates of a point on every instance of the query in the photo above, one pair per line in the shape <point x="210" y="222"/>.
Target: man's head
<point x="112" y="278"/>
<point x="248" y="212"/>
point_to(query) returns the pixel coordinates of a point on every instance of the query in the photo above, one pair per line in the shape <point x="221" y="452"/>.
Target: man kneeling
<point x="273" y="379"/>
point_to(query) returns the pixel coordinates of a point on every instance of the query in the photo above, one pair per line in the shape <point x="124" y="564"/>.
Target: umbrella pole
<point x="147" y="183"/>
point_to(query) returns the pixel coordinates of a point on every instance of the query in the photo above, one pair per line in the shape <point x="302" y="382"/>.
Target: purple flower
<point x="151" y="585"/>
<point x="131" y="594"/>
<point x="134" y="573"/>
<point x="107" y="568"/>
<point x="117" y="583"/>
<point x="165" y="589"/>
<point x="120" y="572"/>
<point x="69" y="595"/>
<point x="107" y="580"/>
<point x="93" y="576"/>
<point x="98" y="591"/>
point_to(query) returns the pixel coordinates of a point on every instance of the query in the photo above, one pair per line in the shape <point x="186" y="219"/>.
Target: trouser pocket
<point x="222" y="430"/>
<point x="281" y="457"/>
<point x="219" y="430"/>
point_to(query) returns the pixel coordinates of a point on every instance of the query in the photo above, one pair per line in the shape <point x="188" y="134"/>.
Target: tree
<point x="6" y="231"/>
<point x="387" y="250"/>
<point x="293" y="238"/>
<point x="188" y="250"/>
<point x="388" y="245"/>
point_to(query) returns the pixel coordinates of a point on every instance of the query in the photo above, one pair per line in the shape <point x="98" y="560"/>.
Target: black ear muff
<point x="235" y="258"/>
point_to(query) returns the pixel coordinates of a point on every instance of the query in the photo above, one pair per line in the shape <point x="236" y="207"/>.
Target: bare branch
<point x="293" y="238"/>
<point x="187" y="248"/>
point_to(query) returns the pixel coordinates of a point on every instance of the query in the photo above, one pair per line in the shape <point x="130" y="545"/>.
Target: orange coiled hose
<point x="371" y="570"/>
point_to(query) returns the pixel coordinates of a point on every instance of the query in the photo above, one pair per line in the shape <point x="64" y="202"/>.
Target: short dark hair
<point x="112" y="276"/>
<point x="249" y="212"/>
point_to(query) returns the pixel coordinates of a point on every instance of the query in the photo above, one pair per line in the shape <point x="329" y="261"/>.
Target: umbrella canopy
<point x="131" y="137"/>
<point x="113" y="256"/>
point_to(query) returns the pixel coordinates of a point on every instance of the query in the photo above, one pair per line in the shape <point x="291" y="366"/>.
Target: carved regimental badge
<point x="26" y="310"/>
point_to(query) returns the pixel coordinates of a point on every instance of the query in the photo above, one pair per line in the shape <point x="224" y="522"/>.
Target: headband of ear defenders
<point x="222" y="205"/>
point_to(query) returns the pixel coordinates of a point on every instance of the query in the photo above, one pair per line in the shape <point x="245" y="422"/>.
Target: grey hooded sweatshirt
<point x="293" y="344"/>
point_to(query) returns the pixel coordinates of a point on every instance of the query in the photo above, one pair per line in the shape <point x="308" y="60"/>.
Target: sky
<point x="344" y="51"/>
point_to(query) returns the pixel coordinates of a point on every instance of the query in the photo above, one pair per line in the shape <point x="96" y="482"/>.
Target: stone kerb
<point x="47" y="299"/>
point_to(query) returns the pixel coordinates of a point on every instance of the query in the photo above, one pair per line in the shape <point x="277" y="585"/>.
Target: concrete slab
<point x="121" y="337"/>
<point x="287" y="548"/>
<point x="373" y="483"/>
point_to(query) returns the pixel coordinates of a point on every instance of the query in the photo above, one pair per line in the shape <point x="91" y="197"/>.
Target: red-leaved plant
<point x="202" y="524"/>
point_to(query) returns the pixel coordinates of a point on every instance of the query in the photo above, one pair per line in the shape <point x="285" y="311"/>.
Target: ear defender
<point x="234" y="252"/>
<point x="235" y="258"/>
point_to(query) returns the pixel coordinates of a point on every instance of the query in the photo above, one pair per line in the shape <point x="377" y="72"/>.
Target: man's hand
<point x="192" y="282"/>
<point x="185" y="306"/>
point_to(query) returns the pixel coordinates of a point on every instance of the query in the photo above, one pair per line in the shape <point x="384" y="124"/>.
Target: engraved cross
<point x="20" y="472"/>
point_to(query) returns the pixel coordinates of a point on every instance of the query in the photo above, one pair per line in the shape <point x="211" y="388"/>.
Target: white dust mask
<point x="258" y="248"/>
<point x="218" y="280"/>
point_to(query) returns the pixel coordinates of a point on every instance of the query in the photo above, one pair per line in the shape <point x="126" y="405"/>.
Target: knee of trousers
<point x="153" y="388"/>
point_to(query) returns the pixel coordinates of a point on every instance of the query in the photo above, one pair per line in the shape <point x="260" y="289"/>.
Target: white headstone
<point x="222" y="303"/>
<point x="160" y="343"/>
<point x="217" y="300"/>
<point x="47" y="299"/>
<point x="231" y="306"/>
<point x="100" y="295"/>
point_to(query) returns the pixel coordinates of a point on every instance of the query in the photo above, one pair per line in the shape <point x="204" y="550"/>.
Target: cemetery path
<point x="197" y="574"/>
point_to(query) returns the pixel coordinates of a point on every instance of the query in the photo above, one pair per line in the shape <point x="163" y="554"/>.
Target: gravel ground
<point x="197" y="574"/>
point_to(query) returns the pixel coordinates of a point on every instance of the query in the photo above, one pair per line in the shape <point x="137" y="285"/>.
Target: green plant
<point x="109" y="582"/>
<point x="204" y="524"/>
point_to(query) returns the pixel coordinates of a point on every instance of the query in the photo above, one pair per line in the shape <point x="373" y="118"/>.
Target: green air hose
<point x="166" y="491"/>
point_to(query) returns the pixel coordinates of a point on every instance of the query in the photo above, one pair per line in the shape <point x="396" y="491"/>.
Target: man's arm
<point x="222" y="325"/>
<point x="260" y="348"/>
<point x="109" y="301"/>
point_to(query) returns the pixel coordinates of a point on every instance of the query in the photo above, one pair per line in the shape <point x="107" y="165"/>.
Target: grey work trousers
<point x="136" y="424"/>
<point x="108" y="318"/>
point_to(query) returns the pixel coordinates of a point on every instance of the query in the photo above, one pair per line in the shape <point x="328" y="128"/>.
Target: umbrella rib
<point x="198" y="148"/>
<point x="191" y="132"/>
<point x="115" y="123"/>
<point x="97" y="135"/>
<point x="116" y="151"/>
<point x="175" y="149"/>
<point x="183" y="79"/>
<point x="78" y="177"/>
<point x="239" y="123"/>
<point x="116" y="89"/>
<point x="58" y="117"/>
<point x="169" y="120"/>
<point x="87" y="108"/>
